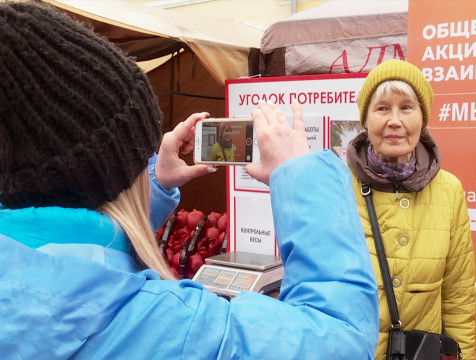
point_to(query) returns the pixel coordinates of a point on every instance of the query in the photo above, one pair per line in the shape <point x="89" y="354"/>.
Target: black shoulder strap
<point x="382" y="259"/>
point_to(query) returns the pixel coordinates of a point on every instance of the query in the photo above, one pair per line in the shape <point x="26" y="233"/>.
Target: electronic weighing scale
<point x="228" y="274"/>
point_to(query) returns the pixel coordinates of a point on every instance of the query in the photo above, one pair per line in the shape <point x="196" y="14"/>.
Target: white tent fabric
<point x="222" y="46"/>
<point x="336" y="36"/>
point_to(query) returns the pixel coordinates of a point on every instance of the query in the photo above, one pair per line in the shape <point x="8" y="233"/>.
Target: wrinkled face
<point x="227" y="133"/>
<point x="394" y="123"/>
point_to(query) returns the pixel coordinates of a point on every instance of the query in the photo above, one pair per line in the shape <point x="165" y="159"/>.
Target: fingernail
<point x="261" y="102"/>
<point x="270" y="102"/>
<point x="212" y="169"/>
<point x="205" y="113"/>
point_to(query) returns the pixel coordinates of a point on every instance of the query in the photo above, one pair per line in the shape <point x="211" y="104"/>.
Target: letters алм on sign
<point x="331" y="118"/>
<point x="442" y="44"/>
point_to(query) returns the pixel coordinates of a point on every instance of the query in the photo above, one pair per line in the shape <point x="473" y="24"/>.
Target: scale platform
<point x="229" y="274"/>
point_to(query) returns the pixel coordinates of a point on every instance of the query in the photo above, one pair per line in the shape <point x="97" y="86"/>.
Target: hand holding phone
<point x="278" y="140"/>
<point x="225" y="141"/>
<point x="170" y="169"/>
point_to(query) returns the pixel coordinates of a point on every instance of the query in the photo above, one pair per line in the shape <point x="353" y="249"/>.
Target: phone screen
<point x="225" y="142"/>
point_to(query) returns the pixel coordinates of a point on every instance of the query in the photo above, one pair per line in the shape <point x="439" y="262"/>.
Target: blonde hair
<point x="131" y="210"/>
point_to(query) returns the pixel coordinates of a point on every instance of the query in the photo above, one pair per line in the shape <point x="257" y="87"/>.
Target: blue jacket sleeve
<point x="162" y="202"/>
<point x="328" y="306"/>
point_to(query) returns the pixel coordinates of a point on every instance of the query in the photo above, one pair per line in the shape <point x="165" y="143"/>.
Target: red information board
<point x="441" y="42"/>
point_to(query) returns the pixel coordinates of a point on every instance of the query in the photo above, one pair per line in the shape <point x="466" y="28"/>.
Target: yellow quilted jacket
<point x="427" y="240"/>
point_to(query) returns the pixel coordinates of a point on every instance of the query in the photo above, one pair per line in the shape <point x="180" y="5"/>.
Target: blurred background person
<point x="223" y="149"/>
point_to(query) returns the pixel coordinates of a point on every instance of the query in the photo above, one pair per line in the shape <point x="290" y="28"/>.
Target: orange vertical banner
<point x="441" y="42"/>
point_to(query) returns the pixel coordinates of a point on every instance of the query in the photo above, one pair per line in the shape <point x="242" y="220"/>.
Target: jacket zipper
<point x="397" y="186"/>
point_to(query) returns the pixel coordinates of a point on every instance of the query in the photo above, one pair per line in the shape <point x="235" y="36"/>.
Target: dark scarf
<point x="427" y="164"/>
<point x="394" y="172"/>
<point x="223" y="143"/>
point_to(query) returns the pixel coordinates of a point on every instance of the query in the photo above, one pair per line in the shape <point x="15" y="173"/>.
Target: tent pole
<point x="181" y="93"/>
<point x="293" y="6"/>
<point x="171" y="99"/>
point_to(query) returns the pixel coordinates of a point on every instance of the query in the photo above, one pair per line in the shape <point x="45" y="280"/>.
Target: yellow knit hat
<point x="396" y="70"/>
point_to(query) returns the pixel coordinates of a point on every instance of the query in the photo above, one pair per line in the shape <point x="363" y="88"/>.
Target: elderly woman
<point x="421" y="209"/>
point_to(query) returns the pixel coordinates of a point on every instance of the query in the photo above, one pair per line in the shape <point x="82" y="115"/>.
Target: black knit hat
<point x="78" y="119"/>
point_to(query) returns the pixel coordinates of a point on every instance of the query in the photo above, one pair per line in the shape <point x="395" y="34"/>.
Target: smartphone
<point x="225" y="141"/>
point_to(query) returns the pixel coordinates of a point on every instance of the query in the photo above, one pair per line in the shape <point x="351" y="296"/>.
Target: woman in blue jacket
<point x="78" y="125"/>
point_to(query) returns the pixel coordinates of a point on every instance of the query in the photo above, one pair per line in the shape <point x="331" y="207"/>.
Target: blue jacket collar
<point x="36" y="227"/>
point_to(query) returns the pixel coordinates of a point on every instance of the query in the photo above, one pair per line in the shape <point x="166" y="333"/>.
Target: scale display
<point x="222" y="278"/>
<point x="229" y="274"/>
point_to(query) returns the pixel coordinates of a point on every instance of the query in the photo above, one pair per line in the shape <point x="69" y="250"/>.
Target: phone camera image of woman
<point x="223" y="149"/>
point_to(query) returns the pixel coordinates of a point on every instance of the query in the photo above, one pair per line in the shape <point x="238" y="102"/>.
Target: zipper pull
<point x="397" y="194"/>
